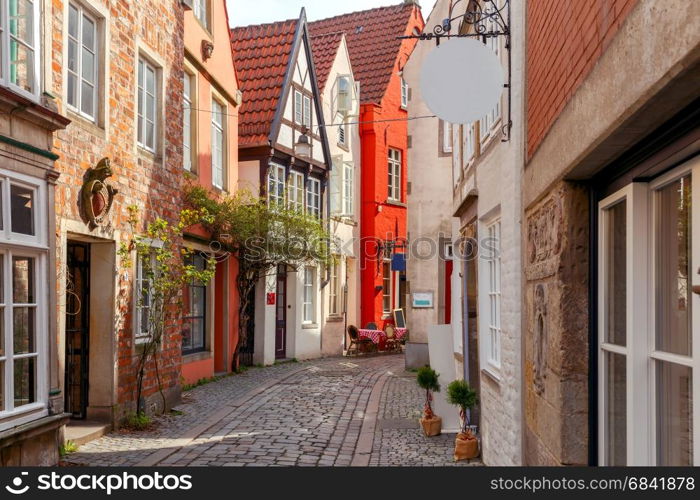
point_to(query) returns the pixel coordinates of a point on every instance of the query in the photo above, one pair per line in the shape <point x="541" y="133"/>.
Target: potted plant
<point x="460" y="394"/>
<point x="428" y="379"/>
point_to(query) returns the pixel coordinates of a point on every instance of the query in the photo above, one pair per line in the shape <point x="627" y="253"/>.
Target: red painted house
<point x="378" y="56"/>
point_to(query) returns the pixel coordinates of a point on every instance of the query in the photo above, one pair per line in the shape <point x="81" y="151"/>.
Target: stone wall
<point x="556" y="328"/>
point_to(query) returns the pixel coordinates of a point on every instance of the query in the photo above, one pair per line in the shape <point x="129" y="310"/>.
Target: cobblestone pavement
<point x="305" y="414"/>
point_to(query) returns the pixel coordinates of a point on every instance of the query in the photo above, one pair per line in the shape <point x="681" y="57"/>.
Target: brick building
<point x="610" y="253"/>
<point x="116" y="71"/>
<point x="378" y="58"/>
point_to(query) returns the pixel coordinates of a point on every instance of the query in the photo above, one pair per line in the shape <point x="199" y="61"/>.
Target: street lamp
<point x="302" y="147"/>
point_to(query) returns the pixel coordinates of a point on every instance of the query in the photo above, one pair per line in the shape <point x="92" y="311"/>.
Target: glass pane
<point x="25" y="381"/>
<point x="198" y="301"/>
<point x="2" y="191"/>
<point x="186" y="334"/>
<point x="23" y="280"/>
<point x="197" y="333"/>
<point x="150" y="135"/>
<point x="72" y="21"/>
<point x="22" y="20"/>
<point x="616" y="405"/>
<point x="88" y="34"/>
<point x="2" y="386"/>
<point x="72" y="89"/>
<point x="21" y="66"/>
<point x="2" y="280"/>
<point x="150" y="81"/>
<point x="22" y="209"/>
<point x="2" y="332"/>
<point x="88" y="69"/>
<point x="87" y="105"/>
<point x="72" y="55"/>
<point x="674" y="414"/>
<point x="673" y="311"/>
<point x="23" y="330"/>
<point x="616" y="276"/>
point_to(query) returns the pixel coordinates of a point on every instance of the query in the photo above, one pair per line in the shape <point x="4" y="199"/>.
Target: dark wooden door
<point x="77" y="328"/>
<point x="281" y="315"/>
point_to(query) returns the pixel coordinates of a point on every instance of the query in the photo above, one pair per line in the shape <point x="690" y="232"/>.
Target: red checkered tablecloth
<point x="400" y="332"/>
<point x="374" y="335"/>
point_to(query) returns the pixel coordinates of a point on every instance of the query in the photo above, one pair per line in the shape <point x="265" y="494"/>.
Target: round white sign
<point x="461" y="80"/>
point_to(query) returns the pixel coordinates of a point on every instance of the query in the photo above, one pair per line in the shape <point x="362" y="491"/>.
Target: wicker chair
<point x="392" y="342"/>
<point x="355" y="341"/>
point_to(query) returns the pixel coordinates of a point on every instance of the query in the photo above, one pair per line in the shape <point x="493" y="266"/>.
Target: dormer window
<point x="404" y="93"/>
<point x="19" y="35"/>
<point x="344" y="94"/>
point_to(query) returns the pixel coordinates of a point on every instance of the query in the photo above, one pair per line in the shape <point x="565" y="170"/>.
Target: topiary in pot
<point x="460" y="394"/>
<point x="427" y="379"/>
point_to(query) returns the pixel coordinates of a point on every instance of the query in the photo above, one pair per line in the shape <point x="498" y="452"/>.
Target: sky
<point x="244" y="12"/>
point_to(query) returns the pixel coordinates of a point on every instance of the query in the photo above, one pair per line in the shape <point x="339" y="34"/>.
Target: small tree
<point x="261" y="236"/>
<point x="427" y="379"/>
<point x="166" y="269"/>
<point x="460" y="394"/>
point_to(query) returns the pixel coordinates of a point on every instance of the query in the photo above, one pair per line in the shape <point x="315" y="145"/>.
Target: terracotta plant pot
<point x="466" y="446"/>
<point x="431" y="426"/>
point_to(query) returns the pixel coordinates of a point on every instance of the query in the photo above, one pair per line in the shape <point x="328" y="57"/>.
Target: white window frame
<point x="298" y="107"/>
<point x="348" y="190"/>
<point x="309" y="296"/>
<point x="307" y="107"/>
<point x="188" y="94"/>
<point x="387" y="295"/>
<point x="78" y="74"/>
<point x="218" y="151"/>
<point x="344" y="95"/>
<point x="139" y="279"/>
<point x="404" y="93"/>
<point x="640" y="349"/>
<point x="276" y="182"/>
<point x="313" y="197"/>
<point x="447" y="134"/>
<point x="36" y="247"/>
<point x="143" y="93"/>
<point x="201" y="9"/>
<point x="296" y="191"/>
<point x="34" y="45"/>
<point x="469" y="149"/>
<point x="490" y="330"/>
<point x="334" y="287"/>
<point x="394" y="177"/>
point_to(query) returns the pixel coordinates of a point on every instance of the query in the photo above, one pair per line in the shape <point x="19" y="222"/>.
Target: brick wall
<point x="150" y="181"/>
<point x="564" y="41"/>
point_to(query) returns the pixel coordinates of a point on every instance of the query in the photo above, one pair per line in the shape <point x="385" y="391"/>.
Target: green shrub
<point x="67" y="448"/>
<point x="138" y="422"/>
<point x="427" y="379"/>
<point x="460" y="394"/>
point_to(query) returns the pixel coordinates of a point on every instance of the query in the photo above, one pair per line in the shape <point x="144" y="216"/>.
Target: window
<point x="487" y="123"/>
<point x="468" y="143"/>
<point x="307" y="111"/>
<point x="493" y="264"/>
<point x="298" y="108"/>
<point x="647" y="349"/>
<point x="194" y="319"/>
<point x="296" y="191"/>
<point x="309" y="298"/>
<point x="404" y="93"/>
<point x="218" y="149"/>
<point x="23" y="304"/>
<point x="386" y="288"/>
<point x="145" y="267"/>
<point x="275" y="185"/>
<point x="341" y="133"/>
<point x="188" y="81"/>
<point x="313" y="197"/>
<point x="147" y="103"/>
<point x="394" y="175"/>
<point x="446" y="137"/>
<point x="82" y="62"/>
<point x="19" y="34"/>
<point x="348" y="188"/>
<point x="334" y="287"/>
<point x="344" y="95"/>
<point x="201" y="12"/>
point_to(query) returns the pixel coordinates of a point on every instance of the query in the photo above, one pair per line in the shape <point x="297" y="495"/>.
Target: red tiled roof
<point x="371" y="38"/>
<point x="261" y="54"/>
<point x="324" y="48"/>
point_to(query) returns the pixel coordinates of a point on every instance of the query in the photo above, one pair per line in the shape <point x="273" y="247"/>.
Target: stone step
<point x="84" y="431"/>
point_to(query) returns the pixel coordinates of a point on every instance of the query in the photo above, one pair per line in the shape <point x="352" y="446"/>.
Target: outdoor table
<point x="400" y="332"/>
<point x="376" y="336"/>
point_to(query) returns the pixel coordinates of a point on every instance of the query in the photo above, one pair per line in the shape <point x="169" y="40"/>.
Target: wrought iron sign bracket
<point x="482" y="20"/>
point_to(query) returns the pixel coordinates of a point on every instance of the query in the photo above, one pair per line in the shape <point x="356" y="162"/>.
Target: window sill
<point x="148" y="154"/>
<point x="334" y="318"/>
<point x="86" y="123"/>
<point x="492" y="373"/>
<point x="387" y="315"/>
<point x="395" y="203"/>
<point x="309" y="326"/>
<point x="196" y="356"/>
<point x="344" y="147"/>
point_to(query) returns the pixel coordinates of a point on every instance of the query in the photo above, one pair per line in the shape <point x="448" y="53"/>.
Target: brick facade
<point x="564" y="42"/>
<point x="126" y="30"/>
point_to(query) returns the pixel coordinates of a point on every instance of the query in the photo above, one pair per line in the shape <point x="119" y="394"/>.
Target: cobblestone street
<point x="335" y="411"/>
